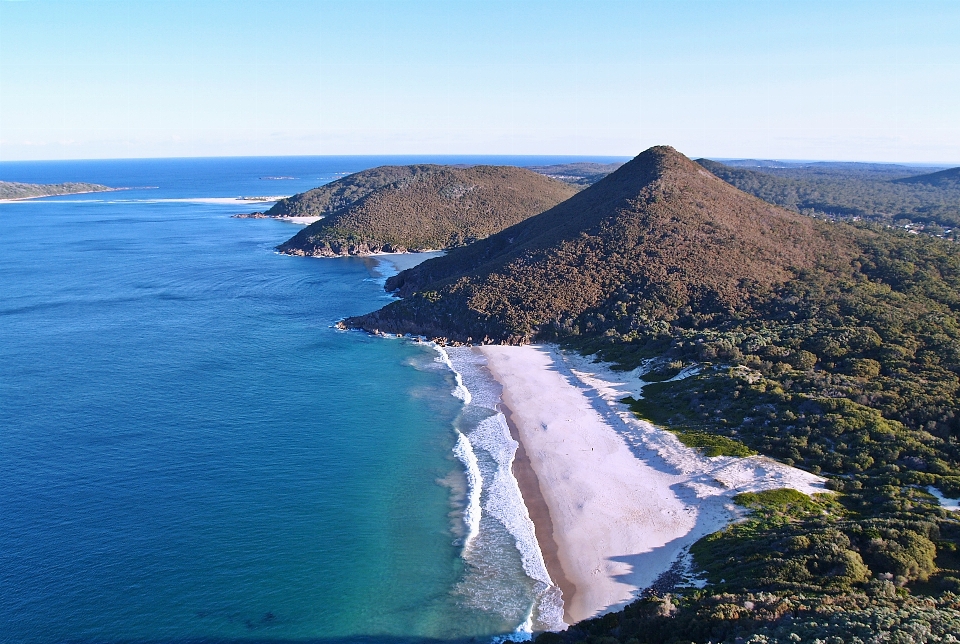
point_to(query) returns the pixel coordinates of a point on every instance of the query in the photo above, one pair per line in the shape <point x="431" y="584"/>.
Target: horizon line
<point x="947" y="164"/>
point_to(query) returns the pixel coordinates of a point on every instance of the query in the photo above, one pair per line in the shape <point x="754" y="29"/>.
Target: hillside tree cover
<point x="425" y="207"/>
<point x="829" y="346"/>
<point x="14" y="190"/>
<point x="881" y="193"/>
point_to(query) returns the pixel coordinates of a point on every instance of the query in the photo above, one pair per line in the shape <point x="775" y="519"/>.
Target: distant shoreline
<point x="61" y="194"/>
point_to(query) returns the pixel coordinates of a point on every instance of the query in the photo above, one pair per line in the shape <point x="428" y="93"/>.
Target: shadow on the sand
<point x="663" y="559"/>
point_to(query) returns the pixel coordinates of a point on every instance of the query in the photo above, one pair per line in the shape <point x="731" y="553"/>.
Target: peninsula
<point x="418" y="207"/>
<point x="13" y="191"/>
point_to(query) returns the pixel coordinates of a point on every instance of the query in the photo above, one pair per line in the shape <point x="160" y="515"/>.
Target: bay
<point x="189" y="449"/>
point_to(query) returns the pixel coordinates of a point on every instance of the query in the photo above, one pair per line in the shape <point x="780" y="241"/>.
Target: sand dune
<point x="623" y="499"/>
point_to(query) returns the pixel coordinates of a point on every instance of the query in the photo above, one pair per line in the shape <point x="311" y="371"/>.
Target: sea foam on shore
<point x="506" y="570"/>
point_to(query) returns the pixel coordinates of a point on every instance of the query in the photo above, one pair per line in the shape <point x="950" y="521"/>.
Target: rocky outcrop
<point x="344" y="248"/>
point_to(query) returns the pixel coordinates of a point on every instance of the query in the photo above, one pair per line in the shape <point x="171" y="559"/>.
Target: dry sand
<point x="306" y="221"/>
<point x="614" y="499"/>
<point x="67" y="194"/>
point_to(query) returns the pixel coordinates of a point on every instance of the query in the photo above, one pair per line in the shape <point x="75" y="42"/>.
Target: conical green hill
<point x="661" y="228"/>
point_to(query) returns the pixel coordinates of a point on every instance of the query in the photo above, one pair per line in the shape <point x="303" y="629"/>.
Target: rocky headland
<point x="396" y="209"/>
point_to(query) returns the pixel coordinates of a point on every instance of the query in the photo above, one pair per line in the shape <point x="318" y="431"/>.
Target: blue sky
<point x="739" y="78"/>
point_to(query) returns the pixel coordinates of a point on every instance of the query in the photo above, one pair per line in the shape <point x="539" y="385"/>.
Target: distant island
<point x="831" y="346"/>
<point x="10" y="190"/>
<point x="417" y="207"/>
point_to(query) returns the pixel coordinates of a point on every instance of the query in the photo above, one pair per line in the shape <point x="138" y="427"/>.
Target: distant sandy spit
<point x="614" y="499"/>
<point x="212" y="200"/>
<point x="221" y="200"/>
<point x="66" y="194"/>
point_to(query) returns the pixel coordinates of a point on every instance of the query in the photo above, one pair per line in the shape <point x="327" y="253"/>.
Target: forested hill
<point x="343" y="192"/>
<point x="399" y="208"/>
<point x="13" y="190"/>
<point x="829" y="346"/>
<point x="661" y="227"/>
<point x="883" y="193"/>
<point x="943" y="179"/>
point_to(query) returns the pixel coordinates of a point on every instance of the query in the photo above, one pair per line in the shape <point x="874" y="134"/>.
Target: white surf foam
<point x="463" y="450"/>
<point x="493" y="492"/>
<point x="460" y="391"/>
<point x="503" y="500"/>
<point x="524" y="632"/>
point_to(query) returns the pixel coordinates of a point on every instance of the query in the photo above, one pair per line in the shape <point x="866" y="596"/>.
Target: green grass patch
<point x="780" y="500"/>
<point x="660" y="414"/>
<point x="710" y="444"/>
<point x="784" y="506"/>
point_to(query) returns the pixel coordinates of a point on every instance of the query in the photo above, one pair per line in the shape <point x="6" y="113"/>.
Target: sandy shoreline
<point x="65" y="194"/>
<point x="305" y="221"/>
<point x="613" y="499"/>
<point x="537" y="510"/>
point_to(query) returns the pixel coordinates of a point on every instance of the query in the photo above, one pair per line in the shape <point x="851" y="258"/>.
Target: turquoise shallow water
<point x="190" y="451"/>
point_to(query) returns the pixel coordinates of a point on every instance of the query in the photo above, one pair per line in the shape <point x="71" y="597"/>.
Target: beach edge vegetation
<point x="833" y="347"/>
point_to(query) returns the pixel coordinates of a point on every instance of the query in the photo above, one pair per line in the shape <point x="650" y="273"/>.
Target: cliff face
<point x="661" y="229"/>
<point x="405" y="208"/>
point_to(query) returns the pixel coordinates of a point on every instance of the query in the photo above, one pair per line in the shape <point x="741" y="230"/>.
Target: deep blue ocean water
<point x="190" y="450"/>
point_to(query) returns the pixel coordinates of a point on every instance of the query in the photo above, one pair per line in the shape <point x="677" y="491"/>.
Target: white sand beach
<point x="68" y="194"/>
<point x="304" y="221"/>
<point x="614" y="499"/>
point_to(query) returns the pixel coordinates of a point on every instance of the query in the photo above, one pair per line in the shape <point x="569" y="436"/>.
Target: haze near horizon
<point x="863" y="81"/>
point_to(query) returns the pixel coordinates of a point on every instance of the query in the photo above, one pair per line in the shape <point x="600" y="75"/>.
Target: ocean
<point x="191" y="451"/>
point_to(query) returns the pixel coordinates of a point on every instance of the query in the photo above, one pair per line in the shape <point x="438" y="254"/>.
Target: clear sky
<point x="741" y="78"/>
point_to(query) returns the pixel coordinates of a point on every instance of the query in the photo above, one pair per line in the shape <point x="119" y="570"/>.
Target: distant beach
<point x="65" y="194"/>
